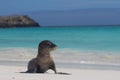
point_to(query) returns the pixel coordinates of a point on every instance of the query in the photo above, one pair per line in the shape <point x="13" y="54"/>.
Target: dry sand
<point x="13" y="73"/>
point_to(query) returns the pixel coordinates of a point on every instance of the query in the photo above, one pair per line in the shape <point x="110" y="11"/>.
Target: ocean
<point x="96" y="47"/>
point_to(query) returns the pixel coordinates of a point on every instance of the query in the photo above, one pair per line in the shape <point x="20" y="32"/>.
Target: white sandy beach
<point x="13" y="73"/>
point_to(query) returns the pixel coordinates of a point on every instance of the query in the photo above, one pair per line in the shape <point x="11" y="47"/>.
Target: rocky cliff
<point x="17" y="21"/>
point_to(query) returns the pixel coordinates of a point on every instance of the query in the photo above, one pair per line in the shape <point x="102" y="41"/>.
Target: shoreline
<point x="64" y="65"/>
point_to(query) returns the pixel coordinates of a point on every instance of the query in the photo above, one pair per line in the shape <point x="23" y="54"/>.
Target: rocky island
<point x="17" y="21"/>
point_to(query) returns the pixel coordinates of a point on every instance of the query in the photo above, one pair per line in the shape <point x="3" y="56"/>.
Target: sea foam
<point x="65" y="55"/>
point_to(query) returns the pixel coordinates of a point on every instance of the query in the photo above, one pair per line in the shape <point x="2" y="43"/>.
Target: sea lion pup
<point x="43" y="61"/>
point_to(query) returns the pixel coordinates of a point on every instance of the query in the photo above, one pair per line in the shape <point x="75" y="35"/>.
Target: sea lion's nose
<point x="54" y="45"/>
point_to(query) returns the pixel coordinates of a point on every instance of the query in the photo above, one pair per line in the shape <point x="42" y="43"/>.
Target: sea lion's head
<point x="48" y="45"/>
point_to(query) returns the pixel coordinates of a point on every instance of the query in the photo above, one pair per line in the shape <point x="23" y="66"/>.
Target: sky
<point x="84" y="12"/>
<point x="19" y="6"/>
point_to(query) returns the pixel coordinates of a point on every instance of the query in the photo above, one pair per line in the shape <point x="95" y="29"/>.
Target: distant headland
<point x="17" y="21"/>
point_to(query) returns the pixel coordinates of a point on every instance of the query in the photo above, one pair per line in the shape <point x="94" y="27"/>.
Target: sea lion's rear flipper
<point x="29" y="71"/>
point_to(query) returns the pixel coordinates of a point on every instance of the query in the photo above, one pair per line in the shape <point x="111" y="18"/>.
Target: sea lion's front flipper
<point x="63" y="73"/>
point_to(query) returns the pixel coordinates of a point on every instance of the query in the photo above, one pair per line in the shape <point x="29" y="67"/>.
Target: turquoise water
<point x="83" y="38"/>
<point x="84" y="45"/>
